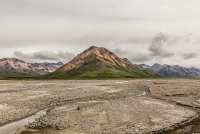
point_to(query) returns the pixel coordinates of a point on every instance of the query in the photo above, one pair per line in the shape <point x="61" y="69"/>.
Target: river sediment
<point x="111" y="106"/>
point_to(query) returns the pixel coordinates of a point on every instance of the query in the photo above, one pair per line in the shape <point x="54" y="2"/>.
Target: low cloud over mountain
<point x="44" y="56"/>
<point x="189" y="56"/>
<point x="33" y="27"/>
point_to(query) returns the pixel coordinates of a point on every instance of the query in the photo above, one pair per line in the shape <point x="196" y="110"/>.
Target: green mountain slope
<point x="98" y="63"/>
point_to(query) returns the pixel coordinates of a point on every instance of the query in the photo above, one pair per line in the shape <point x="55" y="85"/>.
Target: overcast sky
<point x="145" y="31"/>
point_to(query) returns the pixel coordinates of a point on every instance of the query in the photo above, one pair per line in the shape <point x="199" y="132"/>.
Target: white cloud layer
<point x="126" y="26"/>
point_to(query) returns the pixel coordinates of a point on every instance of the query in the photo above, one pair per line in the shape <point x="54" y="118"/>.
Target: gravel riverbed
<point x="100" y="106"/>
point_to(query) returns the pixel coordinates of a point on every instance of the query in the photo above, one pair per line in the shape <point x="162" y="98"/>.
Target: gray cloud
<point x="158" y="46"/>
<point x="157" y="49"/>
<point x="46" y="26"/>
<point x="134" y="57"/>
<point x="44" y="56"/>
<point x="120" y="52"/>
<point x="188" y="56"/>
<point x="141" y="58"/>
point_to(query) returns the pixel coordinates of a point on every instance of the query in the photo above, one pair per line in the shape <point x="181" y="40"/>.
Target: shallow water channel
<point x="14" y="127"/>
<point x="18" y="127"/>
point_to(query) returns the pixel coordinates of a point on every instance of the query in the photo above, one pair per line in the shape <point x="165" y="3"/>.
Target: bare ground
<point x="101" y="106"/>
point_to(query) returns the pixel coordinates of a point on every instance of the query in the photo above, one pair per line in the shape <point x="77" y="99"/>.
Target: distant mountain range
<point x="12" y="67"/>
<point x="172" y="70"/>
<point x="95" y="62"/>
<point x="99" y="62"/>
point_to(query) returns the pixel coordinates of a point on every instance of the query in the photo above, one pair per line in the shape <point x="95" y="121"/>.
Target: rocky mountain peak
<point x="100" y="54"/>
<point x="14" y="66"/>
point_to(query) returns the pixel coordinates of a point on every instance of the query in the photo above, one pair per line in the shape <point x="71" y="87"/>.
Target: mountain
<point x="95" y="62"/>
<point x="99" y="62"/>
<point x="46" y="67"/>
<point x="144" y="66"/>
<point x="12" y="67"/>
<point x="172" y="70"/>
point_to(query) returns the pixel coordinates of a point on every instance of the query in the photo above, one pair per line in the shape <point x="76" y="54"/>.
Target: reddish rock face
<point x="101" y="54"/>
<point x="16" y="65"/>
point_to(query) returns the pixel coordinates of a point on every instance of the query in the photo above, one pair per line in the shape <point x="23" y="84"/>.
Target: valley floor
<point x="100" y="106"/>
